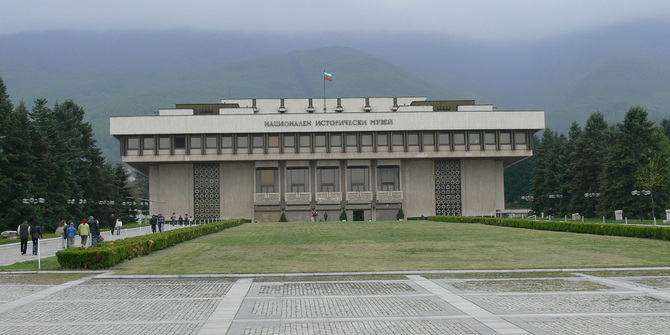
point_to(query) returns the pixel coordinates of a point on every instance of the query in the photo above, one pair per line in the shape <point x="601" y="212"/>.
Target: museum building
<point x="261" y="158"/>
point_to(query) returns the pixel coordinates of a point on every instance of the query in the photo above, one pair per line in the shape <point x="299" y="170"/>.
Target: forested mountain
<point x="134" y="72"/>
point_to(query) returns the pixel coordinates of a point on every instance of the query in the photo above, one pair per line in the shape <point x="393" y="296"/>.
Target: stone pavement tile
<point x="638" y="325"/>
<point x="420" y="327"/>
<point x="220" y="319"/>
<point x="570" y="303"/>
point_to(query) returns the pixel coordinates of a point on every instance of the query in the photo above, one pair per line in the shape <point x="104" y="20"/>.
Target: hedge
<point x="106" y="254"/>
<point x="653" y="232"/>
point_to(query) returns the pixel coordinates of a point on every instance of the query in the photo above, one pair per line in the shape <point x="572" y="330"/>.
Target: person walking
<point x="36" y="234"/>
<point x="181" y="221"/>
<point x="186" y="221"/>
<point x="70" y="232"/>
<point x="173" y="218"/>
<point x="111" y="221"/>
<point x="24" y="232"/>
<point x="61" y="231"/>
<point x="161" y="222"/>
<point x="153" y="222"/>
<point x="119" y="224"/>
<point x="95" y="229"/>
<point x="84" y="232"/>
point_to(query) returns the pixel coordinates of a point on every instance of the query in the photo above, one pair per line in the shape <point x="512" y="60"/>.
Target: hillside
<point x="131" y="72"/>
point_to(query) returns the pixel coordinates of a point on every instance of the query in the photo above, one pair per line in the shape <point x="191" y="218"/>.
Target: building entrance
<point x="358" y="216"/>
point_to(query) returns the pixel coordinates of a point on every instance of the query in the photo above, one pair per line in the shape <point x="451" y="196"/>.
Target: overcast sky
<point x="483" y="20"/>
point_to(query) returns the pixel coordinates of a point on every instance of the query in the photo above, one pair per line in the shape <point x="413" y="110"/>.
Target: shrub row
<point x="109" y="253"/>
<point x="653" y="232"/>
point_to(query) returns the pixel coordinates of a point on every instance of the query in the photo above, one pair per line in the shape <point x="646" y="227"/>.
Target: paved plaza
<point x="501" y="302"/>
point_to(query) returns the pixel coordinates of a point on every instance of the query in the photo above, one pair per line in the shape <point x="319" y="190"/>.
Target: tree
<point x="651" y="176"/>
<point x="588" y="160"/>
<point x="636" y="141"/>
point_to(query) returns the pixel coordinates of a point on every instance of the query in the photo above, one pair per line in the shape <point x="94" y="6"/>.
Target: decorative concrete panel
<point x="388" y="197"/>
<point x="359" y="197"/>
<point x="328" y="197"/>
<point x="206" y="198"/>
<point x="294" y="198"/>
<point x="267" y="198"/>
<point x="448" y="187"/>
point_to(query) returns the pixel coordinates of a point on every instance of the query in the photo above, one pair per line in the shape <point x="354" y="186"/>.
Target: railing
<point x="267" y="198"/>
<point x="389" y="196"/>
<point x="298" y="197"/>
<point x="328" y="197"/>
<point x="359" y="197"/>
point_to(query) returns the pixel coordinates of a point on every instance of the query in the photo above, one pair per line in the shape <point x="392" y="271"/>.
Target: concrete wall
<point x="418" y="184"/>
<point x="172" y="186"/>
<point x="482" y="187"/>
<point x="237" y="190"/>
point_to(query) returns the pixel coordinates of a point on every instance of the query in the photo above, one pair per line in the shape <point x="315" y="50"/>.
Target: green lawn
<point x="392" y="246"/>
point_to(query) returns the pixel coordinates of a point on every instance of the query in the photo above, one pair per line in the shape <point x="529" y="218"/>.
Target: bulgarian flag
<point x="327" y="76"/>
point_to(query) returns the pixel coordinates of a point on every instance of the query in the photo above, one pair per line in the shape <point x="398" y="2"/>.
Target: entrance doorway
<point x="358" y="216"/>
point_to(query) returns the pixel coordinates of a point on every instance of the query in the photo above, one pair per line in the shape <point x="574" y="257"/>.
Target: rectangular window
<point x="366" y="140"/>
<point x="443" y="138"/>
<point x="520" y="137"/>
<point x="358" y="179"/>
<point x="148" y="142"/>
<point x="164" y="142"/>
<point x="459" y="138"/>
<point x="505" y="137"/>
<point x="133" y="143"/>
<point x="210" y="141"/>
<point x="320" y="140"/>
<point x="273" y="141"/>
<point x="398" y="139"/>
<point x="297" y="179"/>
<point x="352" y="140"/>
<point x="413" y="138"/>
<point x="196" y="142"/>
<point x="428" y="138"/>
<point x="258" y="141"/>
<point x="328" y="179"/>
<point x="388" y="178"/>
<point x="289" y="141"/>
<point x="335" y="140"/>
<point x="242" y="141"/>
<point x="475" y="138"/>
<point x="227" y="141"/>
<point x="305" y="141"/>
<point x="489" y="137"/>
<point x="382" y="139"/>
<point x="267" y="181"/>
<point x="180" y="142"/>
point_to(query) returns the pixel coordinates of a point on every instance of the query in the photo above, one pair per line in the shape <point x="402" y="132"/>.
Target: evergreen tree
<point x="636" y="141"/>
<point x="545" y="178"/>
<point x="588" y="160"/>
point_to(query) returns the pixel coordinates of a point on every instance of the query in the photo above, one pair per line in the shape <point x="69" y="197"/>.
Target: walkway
<point x="11" y="253"/>
<point x="573" y="301"/>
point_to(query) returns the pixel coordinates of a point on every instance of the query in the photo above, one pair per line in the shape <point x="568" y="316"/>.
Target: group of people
<point x="89" y="231"/>
<point x="26" y="231"/>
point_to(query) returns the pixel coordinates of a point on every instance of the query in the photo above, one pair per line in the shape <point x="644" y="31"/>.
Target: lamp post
<point x="555" y="196"/>
<point x="36" y="201"/>
<point x="590" y="196"/>
<point x="638" y="193"/>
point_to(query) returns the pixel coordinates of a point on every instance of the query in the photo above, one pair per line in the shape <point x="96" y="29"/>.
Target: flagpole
<point x="324" y="90"/>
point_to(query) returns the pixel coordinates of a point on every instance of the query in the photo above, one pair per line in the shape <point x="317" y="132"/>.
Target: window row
<point x="335" y="142"/>
<point x="327" y="179"/>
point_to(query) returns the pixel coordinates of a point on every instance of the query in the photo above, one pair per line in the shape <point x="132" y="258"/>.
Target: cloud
<point x="480" y="20"/>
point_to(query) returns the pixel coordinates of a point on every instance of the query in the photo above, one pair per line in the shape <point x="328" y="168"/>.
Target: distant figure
<point x="70" y="232"/>
<point x="173" y="218"/>
<point x="161" y="222"/>
<point x="153" y="222"/>
<point x="61" y="231"/>
<point x="95" y="229"/>
<point x="550" y="212"/>
<point x="312" y="216"/>
<point x="111" y="221"/>
<point x="84" y="232"/>
<point x="119" y="224"/>
<point x="186" y="220"/>
<point x="181" y="221"/>
<point x="325" y="216"/>
<point x="24" y="232"/>
<point x="36" y="234"/>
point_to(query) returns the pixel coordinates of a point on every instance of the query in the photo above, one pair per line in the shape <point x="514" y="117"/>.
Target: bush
<point x="653" y="232"/>
<point x="343" y="215"/>
<point x="109" y="253"/>
<point x="400" y="215"/>
<point x="283" y="218"/>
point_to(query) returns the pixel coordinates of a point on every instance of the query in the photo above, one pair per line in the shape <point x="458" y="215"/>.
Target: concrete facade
<point x="369" y="157"/>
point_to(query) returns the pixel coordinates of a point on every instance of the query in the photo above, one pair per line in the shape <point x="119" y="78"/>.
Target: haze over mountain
<point x="136" y="72"/>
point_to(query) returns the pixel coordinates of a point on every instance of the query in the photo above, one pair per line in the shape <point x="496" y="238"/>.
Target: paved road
<point x="382" y="303"/>
<point x="11" y="253"/>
